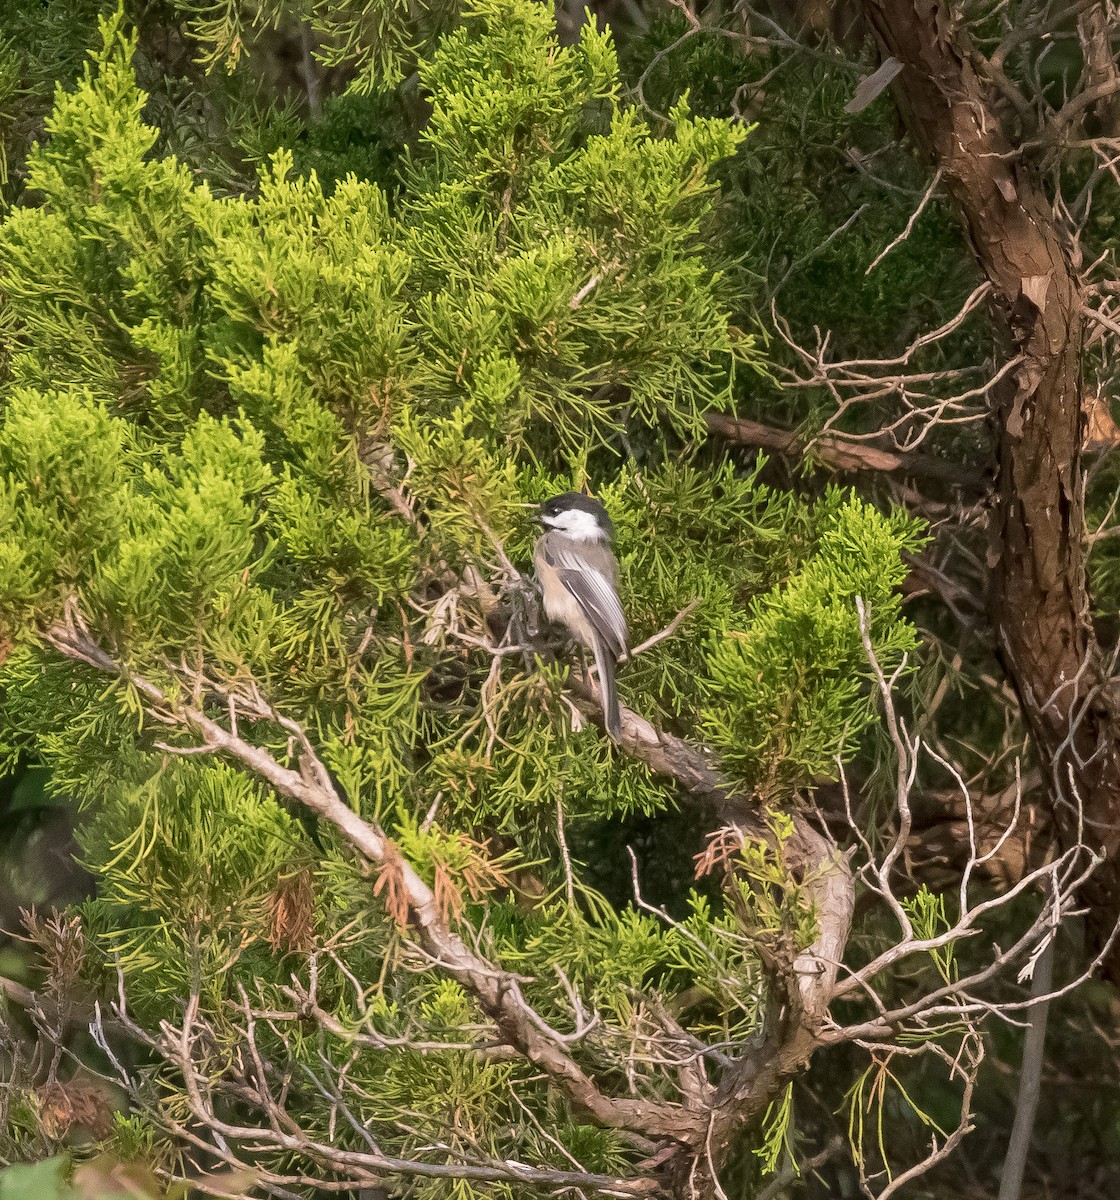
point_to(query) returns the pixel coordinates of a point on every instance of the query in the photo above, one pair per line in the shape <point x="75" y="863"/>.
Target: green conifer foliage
<point x="375" y="41"/>
<point x="263" y="443"/>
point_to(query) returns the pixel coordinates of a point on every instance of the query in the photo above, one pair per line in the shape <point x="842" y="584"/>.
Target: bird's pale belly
<point x="563" y="608"/>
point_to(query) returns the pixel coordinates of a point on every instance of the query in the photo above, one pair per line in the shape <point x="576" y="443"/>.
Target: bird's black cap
<point x="577" y="500"/>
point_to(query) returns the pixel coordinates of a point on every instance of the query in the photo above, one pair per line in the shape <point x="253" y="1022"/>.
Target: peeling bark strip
<point x="1038" y="603"/>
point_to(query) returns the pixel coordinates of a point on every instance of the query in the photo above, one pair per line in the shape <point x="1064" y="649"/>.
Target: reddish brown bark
<point x="1039" y="604"/>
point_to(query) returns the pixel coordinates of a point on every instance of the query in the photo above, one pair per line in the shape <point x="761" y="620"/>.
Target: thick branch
<point x="824" y="873"/>
<point x="843" y="454"/>
<point x="1101" y="76"/>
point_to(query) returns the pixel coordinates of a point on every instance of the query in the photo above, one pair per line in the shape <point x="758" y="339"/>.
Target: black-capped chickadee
<point x="578" y="574"/>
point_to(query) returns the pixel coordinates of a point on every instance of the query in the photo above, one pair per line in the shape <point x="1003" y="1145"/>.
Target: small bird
<point x="578" y="574"/>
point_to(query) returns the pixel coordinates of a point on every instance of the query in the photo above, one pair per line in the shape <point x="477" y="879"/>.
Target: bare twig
<point x="668" y="631"/>
<point x="1030" y="1078"/>
<point x="910" y="223"/>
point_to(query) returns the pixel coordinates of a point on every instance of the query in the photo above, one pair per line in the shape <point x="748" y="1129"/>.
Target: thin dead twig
<point x="668" y="631"/>
<point x="926" y="196"/>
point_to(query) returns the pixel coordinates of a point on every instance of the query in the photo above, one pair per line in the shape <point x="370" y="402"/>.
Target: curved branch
<point x="498" y="992"/>
<point x="826" y="878"/>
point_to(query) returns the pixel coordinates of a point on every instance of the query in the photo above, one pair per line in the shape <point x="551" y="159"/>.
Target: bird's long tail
<point x="604" y="665"/>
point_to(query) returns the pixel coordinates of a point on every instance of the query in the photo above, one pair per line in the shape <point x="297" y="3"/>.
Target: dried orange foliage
<point x="390" y="881"/>
<point x="291" y="912"/>
<point x="75" y="1105"/>
<point x="722" y="847"/>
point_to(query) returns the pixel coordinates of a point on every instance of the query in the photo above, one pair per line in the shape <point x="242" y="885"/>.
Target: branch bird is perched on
<point x="578" y="574"/>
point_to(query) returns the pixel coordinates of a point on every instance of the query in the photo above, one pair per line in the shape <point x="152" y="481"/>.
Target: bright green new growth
<point x="788" y="697"/>
<point x="260" y="435"/>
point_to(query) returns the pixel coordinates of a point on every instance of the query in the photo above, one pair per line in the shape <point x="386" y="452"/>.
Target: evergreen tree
<point x="270" y="458"/>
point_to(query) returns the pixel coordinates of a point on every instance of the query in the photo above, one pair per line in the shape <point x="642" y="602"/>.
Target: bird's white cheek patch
<point x="578" y="525"/>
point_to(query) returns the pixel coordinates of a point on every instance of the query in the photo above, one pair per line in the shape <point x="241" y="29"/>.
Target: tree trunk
<point x="1038" y="601"/>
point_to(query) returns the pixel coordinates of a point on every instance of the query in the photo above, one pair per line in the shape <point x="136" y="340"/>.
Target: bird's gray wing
<point x="593" y="590"/>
